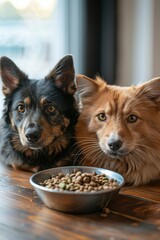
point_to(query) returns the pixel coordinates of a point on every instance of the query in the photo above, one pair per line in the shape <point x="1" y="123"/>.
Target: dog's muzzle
<point x="33" y="133"/>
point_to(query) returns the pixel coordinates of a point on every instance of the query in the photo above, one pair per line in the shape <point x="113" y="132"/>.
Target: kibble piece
<point x="90" y="188"/>
<point x="67" y="187"/>
<point x="69" y="180"/>
<point x="49" y="185"/>
<point x="93" y="184"/>
<point x="106" y="210"/>
<point x="60" y="175"/>
<point x="115" y="184"/>
<point x="86" y="179"/>
<point x="78" y="173"/>
<point x="83" y="174"/>
<point x="79" y="178"/>
<point x="105" y="187"/>
<point x="62" y="185"/>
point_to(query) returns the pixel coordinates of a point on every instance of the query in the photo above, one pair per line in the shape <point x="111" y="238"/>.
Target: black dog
<point x="39" y="116"/>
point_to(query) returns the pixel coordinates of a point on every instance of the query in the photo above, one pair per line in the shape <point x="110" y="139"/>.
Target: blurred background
<point x="116" y="39"/>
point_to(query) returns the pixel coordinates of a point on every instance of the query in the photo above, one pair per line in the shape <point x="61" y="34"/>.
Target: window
<point x="32" y="34"/>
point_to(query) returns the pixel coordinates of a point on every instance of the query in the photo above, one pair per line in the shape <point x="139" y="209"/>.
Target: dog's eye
<point x="102" y="117"/>
<point x="132" y="118"/>
<point x="51" y="109"/>
<point x="21" y="108"/>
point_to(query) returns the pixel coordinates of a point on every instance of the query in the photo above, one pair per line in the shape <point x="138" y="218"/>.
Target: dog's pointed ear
<point x="63" y="75"/>
<point x="151" y="90"/>
<point x="11" y="75"/>
<point x="85" y="85"/>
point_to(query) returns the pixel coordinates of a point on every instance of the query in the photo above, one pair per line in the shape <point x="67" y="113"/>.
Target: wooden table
<point x="134" y="215"/>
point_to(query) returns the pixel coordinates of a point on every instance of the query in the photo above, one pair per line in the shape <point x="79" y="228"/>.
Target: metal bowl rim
<point x="37" y="186"/>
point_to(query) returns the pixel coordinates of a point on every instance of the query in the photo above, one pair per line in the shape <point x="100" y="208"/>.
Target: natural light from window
<point x="33" y="35"/>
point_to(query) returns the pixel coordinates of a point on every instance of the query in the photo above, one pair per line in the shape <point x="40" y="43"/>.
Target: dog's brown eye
<point x="132" y="118"/>
<point x="51" y="109"/>
<point x="102" y="117"/>
<point x="21" y="108"/>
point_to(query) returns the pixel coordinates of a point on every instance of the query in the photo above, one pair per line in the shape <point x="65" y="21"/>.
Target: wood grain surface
<point x="134" y="214"/>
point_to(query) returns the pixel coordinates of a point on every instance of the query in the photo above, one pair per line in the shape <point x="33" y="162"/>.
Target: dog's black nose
<point x="32" y="134"/>
<point x="115" y="145"/>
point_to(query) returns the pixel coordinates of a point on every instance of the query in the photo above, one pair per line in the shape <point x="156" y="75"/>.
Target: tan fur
<point x="139" y="161"/>
<point x="52" y="139"/>
<point x="27" y="100"/>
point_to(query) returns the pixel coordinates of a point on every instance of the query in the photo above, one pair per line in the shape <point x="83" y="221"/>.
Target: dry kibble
<point x="83" y="174"/>
<point x="106" y="210"/>
<point x="60" y="175"/>
<point x="90" y="188"/>
<point x="79" y="181"/>
<point x="79" y="178"/>
<point x="69" y="180"/>
<point x="62" y="185"/>
<point x="93" y="183"/>
<point x="86" y="179"/>
<point x="78" y="173"/>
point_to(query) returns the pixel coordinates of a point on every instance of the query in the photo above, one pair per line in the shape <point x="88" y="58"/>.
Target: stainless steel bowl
<point x="75" y="202"/>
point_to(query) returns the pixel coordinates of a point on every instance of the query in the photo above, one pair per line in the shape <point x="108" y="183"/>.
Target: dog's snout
<point x="32" y="133"/>
<point x="114" y="142"/>
<point x="115" y="145"/>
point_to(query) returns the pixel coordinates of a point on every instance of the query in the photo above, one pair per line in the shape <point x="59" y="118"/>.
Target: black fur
<point x="39" y="116"/>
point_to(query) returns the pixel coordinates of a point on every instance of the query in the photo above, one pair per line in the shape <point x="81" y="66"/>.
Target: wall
<point x="138" y="41"/>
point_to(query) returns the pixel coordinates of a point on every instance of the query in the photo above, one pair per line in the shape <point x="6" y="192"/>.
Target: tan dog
<point x="119" y="128"/>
